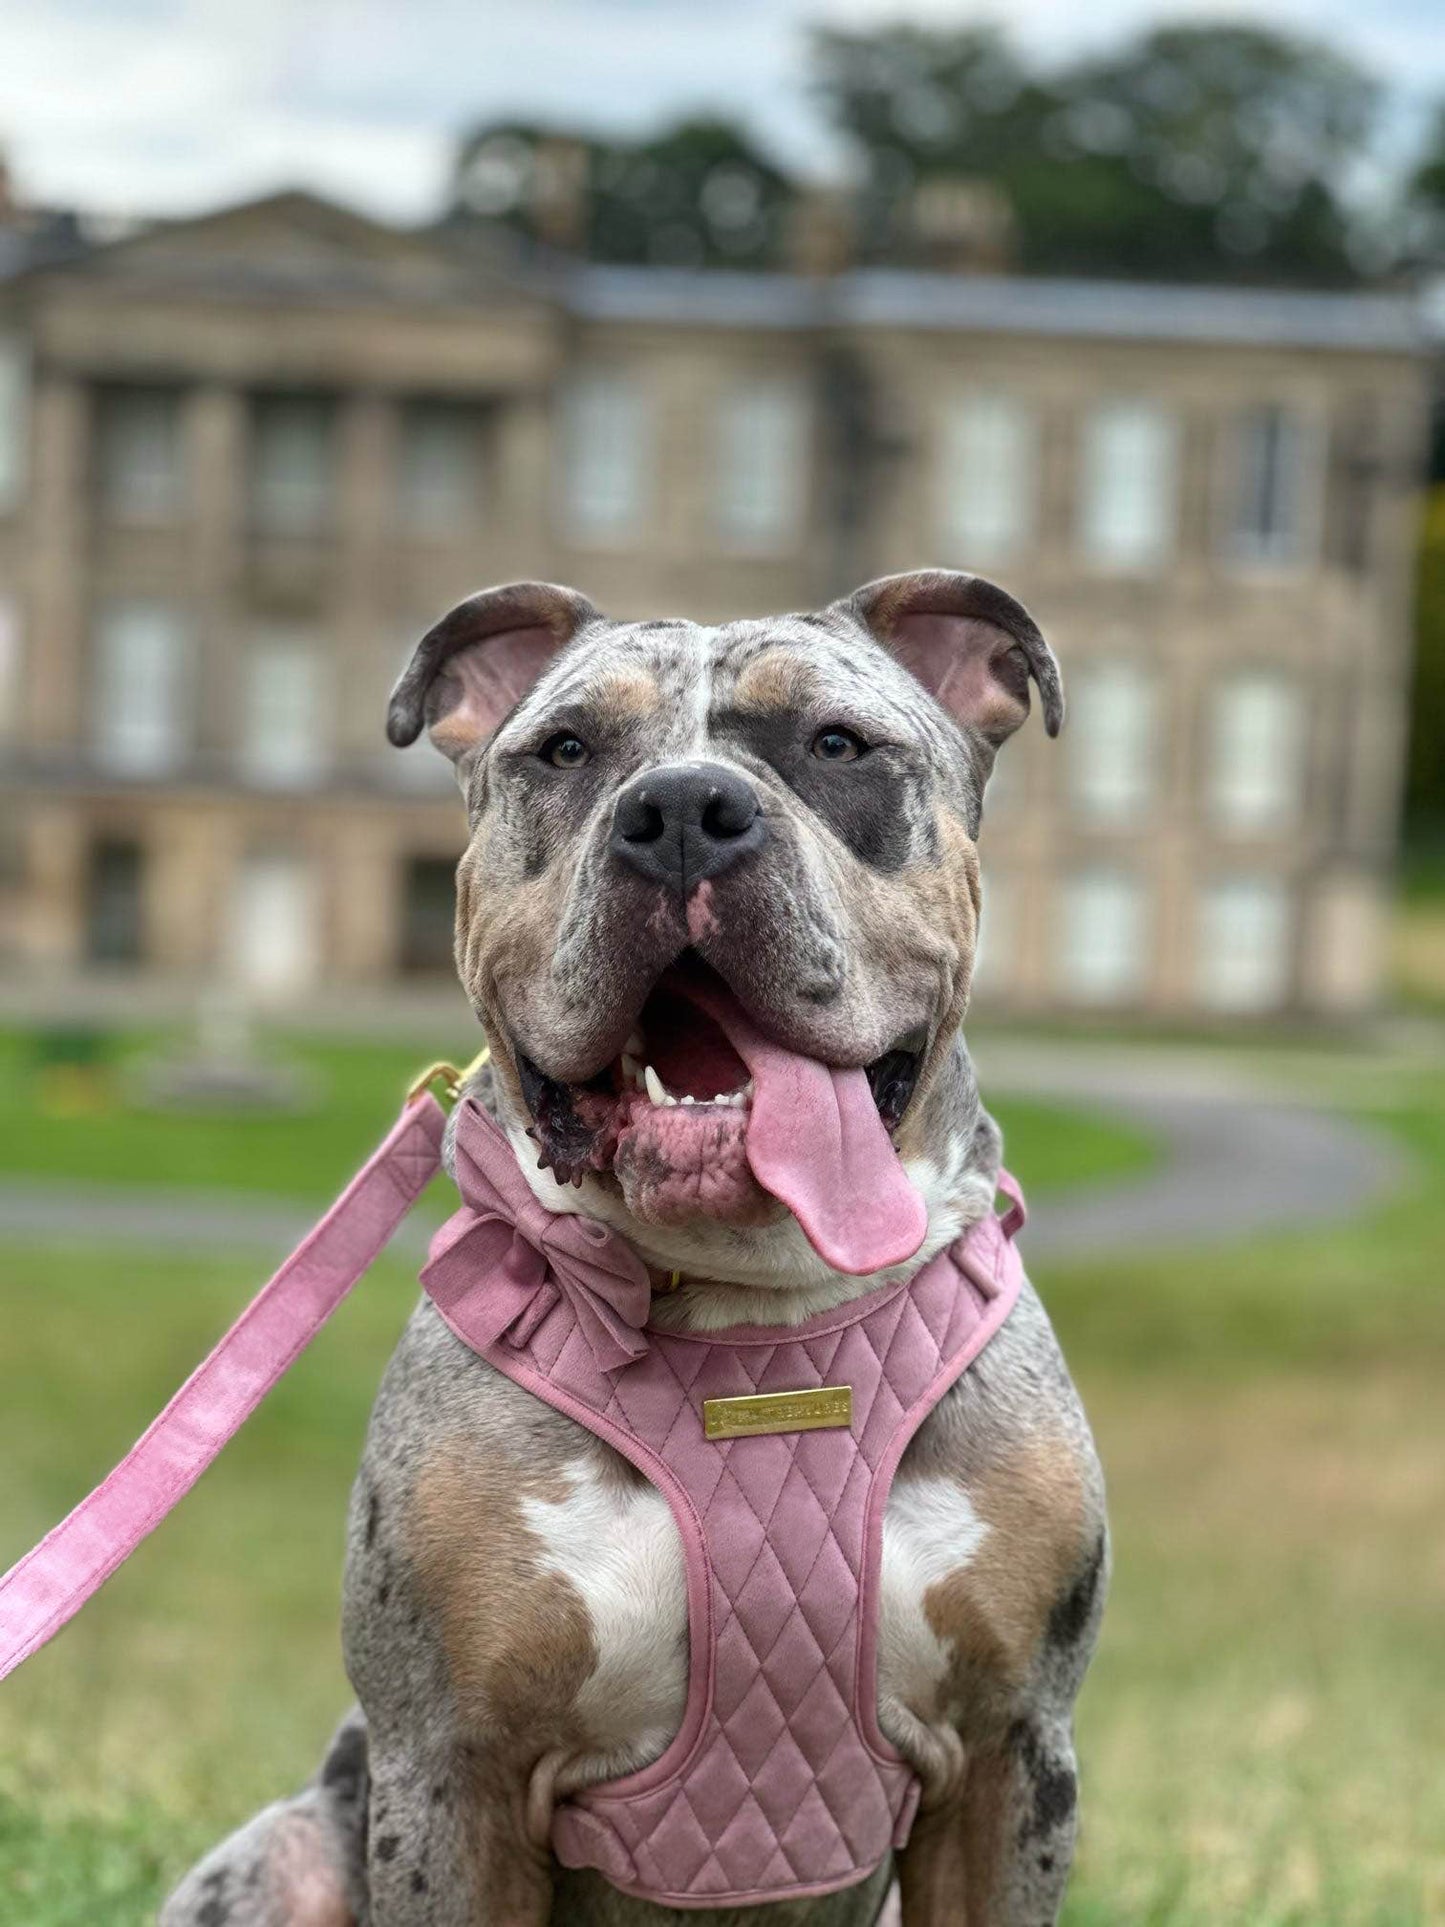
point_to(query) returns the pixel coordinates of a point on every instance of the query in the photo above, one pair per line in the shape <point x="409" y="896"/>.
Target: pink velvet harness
<point x="779" y="1783"/>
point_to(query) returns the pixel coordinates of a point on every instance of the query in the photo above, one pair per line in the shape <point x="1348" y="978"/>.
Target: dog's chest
<point x="612" y="1540"/>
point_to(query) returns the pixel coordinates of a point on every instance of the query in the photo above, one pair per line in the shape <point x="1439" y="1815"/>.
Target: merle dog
<point x="791" y="807"/>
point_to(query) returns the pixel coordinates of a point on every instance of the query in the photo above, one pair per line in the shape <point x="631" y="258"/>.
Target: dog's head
<point x="719" y="907"/>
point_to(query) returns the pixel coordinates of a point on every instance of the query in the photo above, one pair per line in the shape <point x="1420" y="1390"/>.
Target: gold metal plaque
<point x="809" y="1411"/>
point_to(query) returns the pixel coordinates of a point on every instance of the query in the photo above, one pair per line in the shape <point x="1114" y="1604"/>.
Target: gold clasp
<point x="451" y="1080"/>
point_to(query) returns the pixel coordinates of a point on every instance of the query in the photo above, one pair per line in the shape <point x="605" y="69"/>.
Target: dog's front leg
<point x="998" y="1853"/>
<point x="448" y="1845"/>
<point x="468" y="1634"/>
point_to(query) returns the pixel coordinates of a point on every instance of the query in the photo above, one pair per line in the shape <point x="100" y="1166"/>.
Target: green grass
<point x="1261" y="1736"/>
<point x="310" y="1152"/>
<point x="356" y="1089"/>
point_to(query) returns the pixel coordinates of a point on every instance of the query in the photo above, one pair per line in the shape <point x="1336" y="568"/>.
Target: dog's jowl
<point x="729" y="1543"/>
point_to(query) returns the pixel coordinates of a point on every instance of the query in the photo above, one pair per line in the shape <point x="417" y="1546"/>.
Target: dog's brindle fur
<point x="515" y="1624"/>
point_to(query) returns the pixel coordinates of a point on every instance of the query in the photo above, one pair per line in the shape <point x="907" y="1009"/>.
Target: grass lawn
<point x="1263" y="1736"/>
<point x="357" y="1089"/>
<point x="1418" y="935"/>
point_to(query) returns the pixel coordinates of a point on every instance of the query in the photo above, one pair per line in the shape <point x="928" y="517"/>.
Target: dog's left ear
<point x="480" y="660"/>
<point x="970" y="645"/>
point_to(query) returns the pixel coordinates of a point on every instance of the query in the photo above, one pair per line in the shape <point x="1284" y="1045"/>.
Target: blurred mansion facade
<point x="246" y="460"/>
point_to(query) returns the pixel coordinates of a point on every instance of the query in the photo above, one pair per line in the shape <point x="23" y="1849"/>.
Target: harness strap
<point x="52" y="1582"/>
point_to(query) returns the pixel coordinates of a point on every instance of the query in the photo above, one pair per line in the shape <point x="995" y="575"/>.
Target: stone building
<point x="244" y="460"/>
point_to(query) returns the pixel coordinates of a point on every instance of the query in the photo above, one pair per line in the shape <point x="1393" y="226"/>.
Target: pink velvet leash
<point x="51" y="1583"/>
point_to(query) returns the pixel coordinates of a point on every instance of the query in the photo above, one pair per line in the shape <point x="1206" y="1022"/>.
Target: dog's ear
<point x="479" y="661"/>
<point x="970" y="645"/>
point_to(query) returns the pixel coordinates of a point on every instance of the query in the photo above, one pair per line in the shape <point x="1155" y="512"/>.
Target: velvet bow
<point x="500" y="1264"/>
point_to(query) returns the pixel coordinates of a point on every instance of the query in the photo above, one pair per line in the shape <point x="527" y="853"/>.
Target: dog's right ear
<point x="479" y="661"/>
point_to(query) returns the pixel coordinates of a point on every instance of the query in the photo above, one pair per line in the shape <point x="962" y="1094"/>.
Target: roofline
<point x="900" y="298"/>
<point x="1003" y="304"/>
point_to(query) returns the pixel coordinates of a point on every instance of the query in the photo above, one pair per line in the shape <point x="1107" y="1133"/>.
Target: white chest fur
<point x="614" y="1541"/>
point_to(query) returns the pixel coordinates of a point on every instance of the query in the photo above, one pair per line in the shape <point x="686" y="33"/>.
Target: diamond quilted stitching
<point x="754" y="1727"/>
<point x="717" y="1797"/>
<point x="764" y="1602"/>
<point x="689" y="1845"/>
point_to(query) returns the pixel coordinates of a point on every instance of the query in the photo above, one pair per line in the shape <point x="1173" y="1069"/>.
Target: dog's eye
<point x="837" y="745"/>
<point x="564" y="751"/>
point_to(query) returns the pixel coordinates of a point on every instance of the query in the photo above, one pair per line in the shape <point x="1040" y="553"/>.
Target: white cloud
<point x="172" y="105"/>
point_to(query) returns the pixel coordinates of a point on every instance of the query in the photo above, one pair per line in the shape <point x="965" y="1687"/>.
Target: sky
<point x="133" y="107"/>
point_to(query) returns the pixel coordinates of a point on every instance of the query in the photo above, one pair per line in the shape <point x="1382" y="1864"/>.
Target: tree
<point x="1189" y="153"/>
<point x="1425" y="197"/>
<point x="1425" y="768"/>
<point x="698" y="194"/>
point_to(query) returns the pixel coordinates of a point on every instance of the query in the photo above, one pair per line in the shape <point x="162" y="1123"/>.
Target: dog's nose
<point x="681" y="824"/>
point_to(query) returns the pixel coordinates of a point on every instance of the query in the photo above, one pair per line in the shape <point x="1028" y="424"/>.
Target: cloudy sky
<point x="135" y="106"/>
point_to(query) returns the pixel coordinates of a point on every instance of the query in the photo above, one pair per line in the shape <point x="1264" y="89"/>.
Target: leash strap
<point x="52" y="1582"/>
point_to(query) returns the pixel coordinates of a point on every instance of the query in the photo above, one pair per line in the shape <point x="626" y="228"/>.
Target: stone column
<point x="215" y="478"/>
<point x="51" y="928"/>
<point x="182" y="915"/>
<point x="363" y="620"/>
<point x="364" y="858"/>
<point x="54" y="710"/>
<point x="521" y="507"/>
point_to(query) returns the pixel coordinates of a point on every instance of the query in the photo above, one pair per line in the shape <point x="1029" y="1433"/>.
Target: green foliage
<point x="1425" y="199"/>
<point x="698" y="194"/>
<point x="1189" y="153"/>
<point x="1425" y="768"/>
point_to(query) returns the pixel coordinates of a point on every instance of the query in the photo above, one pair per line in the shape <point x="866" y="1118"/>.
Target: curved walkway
<point x="1231" y="1164"/>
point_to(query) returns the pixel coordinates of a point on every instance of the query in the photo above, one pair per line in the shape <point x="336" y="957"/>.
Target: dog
<point x="789" y="809"/>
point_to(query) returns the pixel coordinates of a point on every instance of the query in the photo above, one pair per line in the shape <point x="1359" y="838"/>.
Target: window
<point x="273" y="950"/>
<point x="1242" y="955"/>
<point x="140" y="455"/>
<point x="1111" y="738"/>
<point x="1127" y="505"/>
<point x="282" y="742"/>
<point x="762" y="465"/>
<point x="140" y="689"/>
<point x="438" y="470"/>
<point x="428" y="916"/>
<point x="291" y="460"/>
<point x="605" y="456"/>
<point x="986" y="469"/>
<point x="14" y="419"/>
<point x="1103" y="958"/>
<point x="114" y="907"/>
<point x="1268" y="486"/>
<point x="1256" y="753"/>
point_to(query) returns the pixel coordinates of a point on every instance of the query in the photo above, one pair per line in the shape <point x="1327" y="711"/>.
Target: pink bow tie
<point x="499" y="1264"/>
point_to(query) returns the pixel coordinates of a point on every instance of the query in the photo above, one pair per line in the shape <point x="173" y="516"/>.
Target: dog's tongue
<point x="816" y="1142"/>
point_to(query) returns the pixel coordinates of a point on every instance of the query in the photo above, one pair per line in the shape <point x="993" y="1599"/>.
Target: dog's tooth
<point x="631" y="1069"/>
<point x="656" y="1089"/>
<point x="687" y="1098"/>
<point x="634" y="1045"/>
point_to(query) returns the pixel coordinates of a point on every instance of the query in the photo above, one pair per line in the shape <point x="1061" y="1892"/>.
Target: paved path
<point x="1231" y="1163"/>
<point x="52" y="1211"/>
